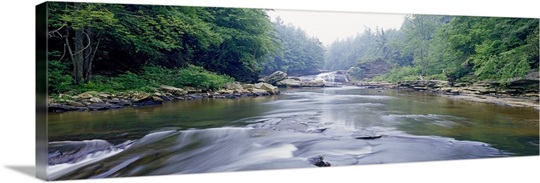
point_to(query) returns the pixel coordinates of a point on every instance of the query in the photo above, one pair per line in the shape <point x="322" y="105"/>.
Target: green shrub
<point x="356" y="73"/>
<point x="148" y="80"/>
<point x="58" y="77"/>
<point x="400" y="74"/>
<point x="198" y="77"/>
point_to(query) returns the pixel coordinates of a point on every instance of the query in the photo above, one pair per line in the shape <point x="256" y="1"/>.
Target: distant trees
<point x="297" y="54"/>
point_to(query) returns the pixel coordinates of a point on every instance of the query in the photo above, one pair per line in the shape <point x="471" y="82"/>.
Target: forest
<point x="114" y="47"/>
<point x="441" y="48"/>
<point x="123" y="47"/>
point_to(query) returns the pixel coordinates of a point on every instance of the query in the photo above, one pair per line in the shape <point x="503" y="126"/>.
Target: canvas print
<point x="139" y="90"/>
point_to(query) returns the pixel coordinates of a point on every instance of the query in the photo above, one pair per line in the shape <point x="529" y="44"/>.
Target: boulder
<point x="276" y="77"/>
<point x="172" y="90"/>
<point x="148" y="101"/>
<point x="318" y="161"/>
<point x="157" y="98"/>
<point x="267" y="87"/>
<point x="136" y="97"/>
<point x="289" y="83"/>
<point x="259" y="92"/>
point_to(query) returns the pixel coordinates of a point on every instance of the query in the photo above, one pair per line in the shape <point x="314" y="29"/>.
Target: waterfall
<point x="329" y="78"/>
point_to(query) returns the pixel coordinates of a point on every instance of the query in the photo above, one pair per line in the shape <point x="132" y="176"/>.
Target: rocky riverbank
<point x="518" y="93"/>
<point x="93" y="100"/>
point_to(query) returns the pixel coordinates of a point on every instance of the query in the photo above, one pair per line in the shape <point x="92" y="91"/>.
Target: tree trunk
<point x="78" y="56"/>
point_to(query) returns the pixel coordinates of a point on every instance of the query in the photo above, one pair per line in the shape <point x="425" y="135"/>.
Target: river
<point x="285" y="131"/>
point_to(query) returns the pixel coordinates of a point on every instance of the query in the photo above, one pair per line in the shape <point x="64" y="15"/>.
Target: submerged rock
<point x="368" y="137"/>
<point x="318" y="161"/>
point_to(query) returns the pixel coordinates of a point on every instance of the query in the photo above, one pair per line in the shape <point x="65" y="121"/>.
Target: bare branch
<point x="56" y="31"/>
<point x="64" y="54"/>
<point x="87" y="46"/>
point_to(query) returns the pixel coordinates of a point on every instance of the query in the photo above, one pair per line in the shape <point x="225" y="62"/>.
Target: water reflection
<point x="284" y="131"/>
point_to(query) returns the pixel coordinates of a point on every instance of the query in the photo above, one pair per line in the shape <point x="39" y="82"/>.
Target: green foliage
<point x="356" y="73"/>
<point x="400" y="74"/>
<point x="198" y="77"/>
<point x="58" y="79"/>
<point x="466" y="49"/>
<point x="123" y="37"/>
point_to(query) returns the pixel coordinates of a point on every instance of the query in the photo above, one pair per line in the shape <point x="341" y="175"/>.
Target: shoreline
<point x="94" y="100"/>
<point x="473" y="93"/>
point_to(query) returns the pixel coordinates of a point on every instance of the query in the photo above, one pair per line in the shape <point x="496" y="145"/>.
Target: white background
<point x="17" y="96"/>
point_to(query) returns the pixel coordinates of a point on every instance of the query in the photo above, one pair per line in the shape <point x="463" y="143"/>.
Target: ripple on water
<point x="435" y="119"/>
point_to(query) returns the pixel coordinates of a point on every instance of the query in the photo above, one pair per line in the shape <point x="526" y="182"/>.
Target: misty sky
<point x="330" y="26"/>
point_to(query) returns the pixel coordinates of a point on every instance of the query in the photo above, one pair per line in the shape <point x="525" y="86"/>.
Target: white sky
<point x="330" y="26"/>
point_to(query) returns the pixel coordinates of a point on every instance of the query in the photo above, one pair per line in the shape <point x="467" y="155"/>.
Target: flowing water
<point x="285" y="131"/>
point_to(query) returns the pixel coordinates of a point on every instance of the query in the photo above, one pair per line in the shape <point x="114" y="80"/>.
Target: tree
<point x="299" y="54"/>
<point x="81" y="26"/>
<point x="419" y="31"/>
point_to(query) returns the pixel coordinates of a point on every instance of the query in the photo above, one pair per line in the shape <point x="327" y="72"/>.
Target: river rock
<point x="136" y="97"/>
<point x="314" y="83"/>
<point x="225" y="92"/>
<point x="95" y="100"/>
<point x="88" y="95"/>
<point x="147" y="101"/>
<point x="74" y="104"/>
<point x="165" y="98"/>
<point x="289" y="83"/>
<point x="234" y="86"/>
<point x="267" y="87"/>
<point x="104" y="95"/>
<point x="192" y="90"/>
<point x="247" y="86"/>
<point x="114" y="100"/>
<point x="276" y="76"/>
<point x="102" y="106"/>
<point x="318" y="161"/>
<point x="172" y="90"/>
<point x="56" y="107"/>
<point x="259" y="92"/>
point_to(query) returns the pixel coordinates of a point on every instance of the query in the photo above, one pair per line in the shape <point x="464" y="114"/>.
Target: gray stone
<point x="289" y="83"/>
<point x="276" y="77"/>
<point x="314" y="83"/>
<point x="172" y="90"/>
<point x="75" y="104"/>
<point x="95" y="100"/>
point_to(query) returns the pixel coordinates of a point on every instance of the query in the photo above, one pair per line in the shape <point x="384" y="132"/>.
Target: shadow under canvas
<point x="24" y="169"/>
